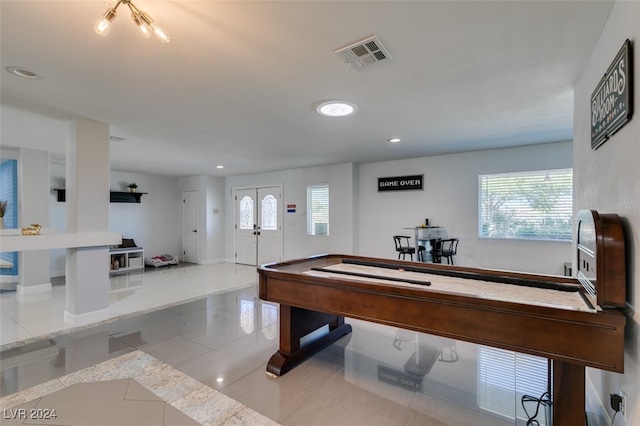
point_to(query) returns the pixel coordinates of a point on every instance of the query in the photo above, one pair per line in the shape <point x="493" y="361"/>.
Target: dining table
<point x="427" y="236"/>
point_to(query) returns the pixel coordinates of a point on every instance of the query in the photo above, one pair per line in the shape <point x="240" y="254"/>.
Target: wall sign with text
<point x="401" y="183"/>
<point x="611" y="102"/>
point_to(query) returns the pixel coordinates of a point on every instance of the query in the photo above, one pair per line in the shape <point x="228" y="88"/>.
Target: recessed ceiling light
<point x="24" y="73"/>
<point x="220" y="167"/>
<point x="336" y="108"/>
<point x="394" y="140"/>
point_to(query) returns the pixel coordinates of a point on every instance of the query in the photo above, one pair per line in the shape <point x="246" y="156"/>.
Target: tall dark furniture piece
<point x="445" y="248"/>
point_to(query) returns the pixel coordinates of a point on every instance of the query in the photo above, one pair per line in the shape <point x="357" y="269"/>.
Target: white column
<point x="33" y="207"/>
<point x="87" y="202"/>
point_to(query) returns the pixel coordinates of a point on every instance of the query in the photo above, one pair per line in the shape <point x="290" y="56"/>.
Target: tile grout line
<point x="186" y="394"/>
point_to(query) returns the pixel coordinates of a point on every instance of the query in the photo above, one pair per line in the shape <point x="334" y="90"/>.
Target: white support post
<point x="87" y="199"/>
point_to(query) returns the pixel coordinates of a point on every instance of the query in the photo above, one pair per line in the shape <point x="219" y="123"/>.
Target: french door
<point x="258" y="227"/>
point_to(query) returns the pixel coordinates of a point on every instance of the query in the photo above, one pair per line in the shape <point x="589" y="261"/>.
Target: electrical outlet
<point x="623" y="404"/>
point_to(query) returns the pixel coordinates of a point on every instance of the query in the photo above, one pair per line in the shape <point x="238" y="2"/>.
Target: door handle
<point x="195" y="230"/>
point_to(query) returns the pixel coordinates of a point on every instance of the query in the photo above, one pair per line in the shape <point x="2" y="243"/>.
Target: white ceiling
<point x="239" y="81"/>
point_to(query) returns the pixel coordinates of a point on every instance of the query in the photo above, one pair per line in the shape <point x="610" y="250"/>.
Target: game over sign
<point x="401" y="183"/>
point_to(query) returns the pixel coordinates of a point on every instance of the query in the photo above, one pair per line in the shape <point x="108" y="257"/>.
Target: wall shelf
<point x="114" y="196"/>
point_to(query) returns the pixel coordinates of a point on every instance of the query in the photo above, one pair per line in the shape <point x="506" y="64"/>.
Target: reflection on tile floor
<point x="376" y="375"/>
<point x="25" y="319"/>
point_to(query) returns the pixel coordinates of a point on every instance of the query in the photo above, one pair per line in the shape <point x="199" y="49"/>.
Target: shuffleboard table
<point x="573" y="321"/>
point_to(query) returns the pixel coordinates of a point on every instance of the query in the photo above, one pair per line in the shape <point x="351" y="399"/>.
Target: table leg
<point x="568" y="394"/>
<point x="295" y="323"/>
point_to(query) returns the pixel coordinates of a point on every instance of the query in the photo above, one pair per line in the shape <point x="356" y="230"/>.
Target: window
<point x="318" y="209"/>
<point x="246" y="213"/>
<point x="529" y="205"/>
<point x="269" y="213"/>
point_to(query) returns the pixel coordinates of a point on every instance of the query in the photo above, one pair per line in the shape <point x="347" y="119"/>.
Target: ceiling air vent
<point x="364" y="53"/>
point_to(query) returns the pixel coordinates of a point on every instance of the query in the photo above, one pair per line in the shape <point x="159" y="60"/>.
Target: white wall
<point x="342" y="187"/>
<point x="608" y="180"/>
<point x="215" y="213"/>
<point x="363" y="220"/>
<point x="155" y="223"/>
<point x="450" y="199"/>
<point x="57" y="217"/>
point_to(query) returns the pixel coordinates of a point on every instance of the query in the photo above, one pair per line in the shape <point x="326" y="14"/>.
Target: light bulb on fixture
<point x="144" y="30"/>
<point x="161" y="33"/>
<point x="157" y="30"/>
<point x="103" y="24"/>
<point x="142" y="20"/>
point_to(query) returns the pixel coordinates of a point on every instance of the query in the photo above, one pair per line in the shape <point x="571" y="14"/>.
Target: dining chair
<point x="404" y="248"/>
<point x="445" y="248"/>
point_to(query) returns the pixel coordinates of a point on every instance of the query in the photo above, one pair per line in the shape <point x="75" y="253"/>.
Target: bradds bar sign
<point x="611" y="102"/>
<point x="401" y="183"/>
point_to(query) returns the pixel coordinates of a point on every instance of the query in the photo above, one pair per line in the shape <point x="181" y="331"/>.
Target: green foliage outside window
<point x="528" y="205"/>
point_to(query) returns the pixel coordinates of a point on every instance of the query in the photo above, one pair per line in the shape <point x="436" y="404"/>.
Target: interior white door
<point x="190" y="226"/>
<point x="246" y="226"/>
<point x="269" y="225"/>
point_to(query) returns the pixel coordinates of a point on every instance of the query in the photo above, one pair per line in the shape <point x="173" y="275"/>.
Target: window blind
<point x="527" y="205"/>
<point x="318" y="209"/>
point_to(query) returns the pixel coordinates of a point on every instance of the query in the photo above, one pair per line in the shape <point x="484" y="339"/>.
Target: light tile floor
<point x="225" y="339"/>
<point x="134" y="389"/>
<point x="24" y="319"/>
<point x="122" y="402"/>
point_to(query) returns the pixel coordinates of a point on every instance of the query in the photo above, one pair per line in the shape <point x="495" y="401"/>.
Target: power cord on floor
<point x="544" y="400"/>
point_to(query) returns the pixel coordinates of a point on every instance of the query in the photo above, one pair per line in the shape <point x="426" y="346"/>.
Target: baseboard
<point x="33" y="289"/>
<point x="87" y="318"/>
<point x="210" y="261"/>
<point x="58" y="274"/>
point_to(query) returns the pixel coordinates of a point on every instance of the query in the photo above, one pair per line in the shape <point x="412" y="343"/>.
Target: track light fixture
<point x="143" y="21"/>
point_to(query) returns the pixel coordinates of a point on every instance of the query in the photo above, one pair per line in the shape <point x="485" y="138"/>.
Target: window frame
<point x="311" y="227"/>
<point x="562" y="214"/>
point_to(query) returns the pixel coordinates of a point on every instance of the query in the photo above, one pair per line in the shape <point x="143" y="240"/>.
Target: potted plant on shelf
<point x="132" y="186"/>
<point x="4" y="205"/>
